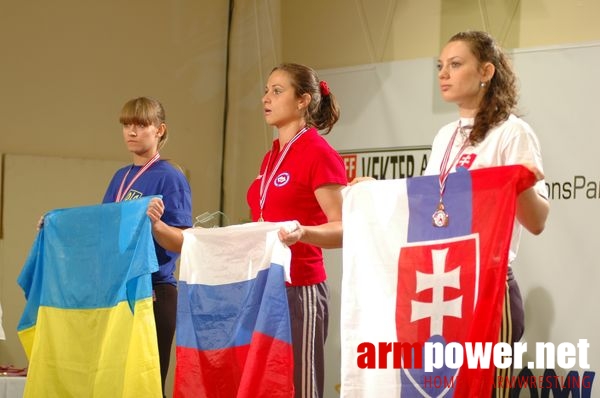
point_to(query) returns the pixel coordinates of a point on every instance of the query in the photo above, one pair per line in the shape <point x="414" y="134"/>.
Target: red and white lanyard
<point x="444" y="166"/>
<point x="266" y="182"/>
<point x="122" y="191"/>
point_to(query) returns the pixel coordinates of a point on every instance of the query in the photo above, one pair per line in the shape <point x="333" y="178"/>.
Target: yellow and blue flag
<point x="88" y="326"/>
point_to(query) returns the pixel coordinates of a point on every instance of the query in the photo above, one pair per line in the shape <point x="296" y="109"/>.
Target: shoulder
<point x="514" y="124"/>
<point x="448" y="128"/>
<point x="512" y="129"/>
<point x="123" y="170"/>
<point x="119" y="174"/>
<point x="313" y="141"/>
<point x="170" y="168"/>
<point x="444" y="133"/>
<point x="170" y="173"/>
<point x="318" y="156"/>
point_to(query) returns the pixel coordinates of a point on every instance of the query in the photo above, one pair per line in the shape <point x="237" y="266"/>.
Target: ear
<point x="487" y="72"/>
<point x="304" y="100"/>
<point x="161" y="129"/>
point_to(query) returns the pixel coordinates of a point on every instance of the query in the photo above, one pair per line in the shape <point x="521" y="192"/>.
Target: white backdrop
<point x="396" y="107"/>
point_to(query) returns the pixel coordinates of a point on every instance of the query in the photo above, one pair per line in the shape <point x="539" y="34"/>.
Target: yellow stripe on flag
<point x="96" y="353"/>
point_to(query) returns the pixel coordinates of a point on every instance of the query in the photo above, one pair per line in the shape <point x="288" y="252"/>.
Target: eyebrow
<point x="453" y="58"/>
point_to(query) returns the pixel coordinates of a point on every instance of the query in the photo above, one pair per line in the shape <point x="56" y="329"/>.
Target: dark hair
<point x="500" y="98"/>
<point x="144" y="111"/>
<point x="323" y="111"/>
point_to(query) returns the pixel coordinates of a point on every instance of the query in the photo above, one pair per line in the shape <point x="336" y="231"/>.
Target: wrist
<point x="300" y="229"/>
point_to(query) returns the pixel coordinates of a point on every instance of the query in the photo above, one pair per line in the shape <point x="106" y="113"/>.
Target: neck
<point x="469" y="112"/>
<point x="469" y="108"/>
<point x="287" y="132"/>
<point x="142" y="158"/>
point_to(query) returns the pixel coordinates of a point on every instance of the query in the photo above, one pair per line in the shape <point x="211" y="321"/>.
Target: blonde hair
<point x="144" y="111"/>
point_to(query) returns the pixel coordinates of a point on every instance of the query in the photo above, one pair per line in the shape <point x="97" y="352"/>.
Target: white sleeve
<point x="523" y="147"/>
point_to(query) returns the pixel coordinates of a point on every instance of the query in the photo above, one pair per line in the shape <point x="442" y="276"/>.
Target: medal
<point x="440" y="217"/>
<point x="265" y="182"/>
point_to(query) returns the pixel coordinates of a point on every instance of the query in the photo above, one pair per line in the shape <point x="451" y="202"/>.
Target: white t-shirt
<point x="511" y="142"/>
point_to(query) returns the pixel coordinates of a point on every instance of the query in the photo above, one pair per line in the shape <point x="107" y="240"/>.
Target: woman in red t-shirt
<point x="301" y="179"/>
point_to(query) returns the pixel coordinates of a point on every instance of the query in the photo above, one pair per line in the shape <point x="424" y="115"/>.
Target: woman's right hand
<point x="539" y="175"/>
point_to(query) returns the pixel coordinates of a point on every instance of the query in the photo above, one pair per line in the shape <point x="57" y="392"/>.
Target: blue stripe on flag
<point x="423" y="197"/>
<point x="91" y="257"/>
<point x="223" y="316"/>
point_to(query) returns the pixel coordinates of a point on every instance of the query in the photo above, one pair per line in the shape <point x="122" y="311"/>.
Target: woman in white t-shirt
<point x="476" y="75"/>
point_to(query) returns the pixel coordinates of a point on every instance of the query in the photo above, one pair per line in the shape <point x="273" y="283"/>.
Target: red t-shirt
<point x="309" y="164"/>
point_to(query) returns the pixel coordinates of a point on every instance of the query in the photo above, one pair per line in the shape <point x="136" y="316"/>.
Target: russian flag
<point x="408" y="281"/>
<point x="88" y="326"/>
<point x="233" y="335"/>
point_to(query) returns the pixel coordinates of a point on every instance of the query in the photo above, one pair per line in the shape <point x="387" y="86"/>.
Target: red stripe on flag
<point x="262" y="369"/>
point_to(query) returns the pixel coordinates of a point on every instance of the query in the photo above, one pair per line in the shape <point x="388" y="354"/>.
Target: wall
<point x="68" y="67"/>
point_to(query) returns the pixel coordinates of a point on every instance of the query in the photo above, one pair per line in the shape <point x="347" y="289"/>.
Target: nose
<point x="131" y="130"/>
<point x="443" y="72"/>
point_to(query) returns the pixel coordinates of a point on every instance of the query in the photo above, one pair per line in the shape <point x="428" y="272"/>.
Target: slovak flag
<point x="409" y="282"/>
<point x="233" y="335"/>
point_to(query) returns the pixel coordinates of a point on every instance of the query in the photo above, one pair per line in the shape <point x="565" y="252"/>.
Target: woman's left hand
<point x="155" y="209"/>
<point x="290" y="234"/>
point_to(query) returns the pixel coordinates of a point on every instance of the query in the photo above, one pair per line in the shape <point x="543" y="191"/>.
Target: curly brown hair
<point x="500" y="98"/>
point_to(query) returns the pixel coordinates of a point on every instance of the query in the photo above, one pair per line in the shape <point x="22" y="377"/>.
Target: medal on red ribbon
<point x="440" y="217"/>
<point x="266" y="182"/>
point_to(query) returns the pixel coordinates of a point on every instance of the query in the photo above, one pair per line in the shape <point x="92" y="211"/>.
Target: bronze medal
<point x="440" y="218"/>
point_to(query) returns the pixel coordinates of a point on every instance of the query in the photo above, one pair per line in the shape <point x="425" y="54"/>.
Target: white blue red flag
<point x="233" y="327"/>
<point x="409" y="282"/>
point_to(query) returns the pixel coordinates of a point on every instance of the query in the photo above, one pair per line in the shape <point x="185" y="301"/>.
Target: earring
<point x="482" y="84"/>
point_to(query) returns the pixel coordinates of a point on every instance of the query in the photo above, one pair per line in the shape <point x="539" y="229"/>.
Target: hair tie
<point x="324" y="88"/>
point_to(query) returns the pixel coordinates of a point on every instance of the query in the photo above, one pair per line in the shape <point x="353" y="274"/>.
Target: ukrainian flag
<point x="88" y="325"/>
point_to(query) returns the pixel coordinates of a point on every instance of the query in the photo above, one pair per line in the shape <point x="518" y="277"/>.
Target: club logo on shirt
<point x="282" y="179"/>
<point x="466" y="160"/>
<point x="133" y="194"/>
